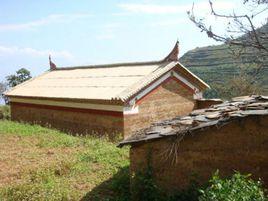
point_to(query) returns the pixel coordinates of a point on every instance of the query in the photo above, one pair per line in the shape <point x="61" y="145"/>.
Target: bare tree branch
<point x="238" y="20"/>
<point x="247" y="43"/>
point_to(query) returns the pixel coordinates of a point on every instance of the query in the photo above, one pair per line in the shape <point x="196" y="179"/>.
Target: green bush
<point x="5" y="112"/>
<point x="145" y="188"/>
<point x="120" y="186"/>
<point x="237" y="188"/>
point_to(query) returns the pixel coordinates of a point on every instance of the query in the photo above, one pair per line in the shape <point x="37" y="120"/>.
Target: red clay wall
<point x="241" y="145"/>
<point x="167" y="101"/>
<point x="82" y="121"/>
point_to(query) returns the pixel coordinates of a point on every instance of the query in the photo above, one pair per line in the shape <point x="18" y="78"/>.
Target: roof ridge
<point x="112" y="65"/>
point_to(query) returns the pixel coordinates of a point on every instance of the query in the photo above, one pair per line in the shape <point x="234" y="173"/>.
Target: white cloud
<point x="14" y="51"/>
<point x="173" y="9"/>
<point x="55" y="18"/>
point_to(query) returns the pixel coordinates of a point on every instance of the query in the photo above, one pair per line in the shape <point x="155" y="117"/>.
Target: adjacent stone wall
<point x="73" y="120"/>
<point x="241" y="145"/>
<point x="169" y="100"/>
<point x="205" y="103"/>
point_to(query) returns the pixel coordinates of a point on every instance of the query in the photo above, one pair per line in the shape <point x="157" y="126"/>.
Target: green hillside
<point x="216" y="64"/>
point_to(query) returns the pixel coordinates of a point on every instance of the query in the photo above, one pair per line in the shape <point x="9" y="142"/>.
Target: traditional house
<point x="113" y="98"/>
<point x="225" y="137"/>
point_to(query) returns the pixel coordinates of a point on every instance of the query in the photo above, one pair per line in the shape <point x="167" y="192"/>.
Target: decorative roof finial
<point x="51" y="64"/>
<point x="174" y="54"/>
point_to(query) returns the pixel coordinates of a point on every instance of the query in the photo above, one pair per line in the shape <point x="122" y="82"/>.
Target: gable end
<point x="136" y="99"/>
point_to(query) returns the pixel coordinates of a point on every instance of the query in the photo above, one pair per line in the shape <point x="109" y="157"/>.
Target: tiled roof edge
<point x="111" y="65"/>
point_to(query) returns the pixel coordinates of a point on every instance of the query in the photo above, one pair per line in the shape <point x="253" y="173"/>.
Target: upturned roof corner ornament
<point x="174" y="54"/>
<point x="51" y="64"/>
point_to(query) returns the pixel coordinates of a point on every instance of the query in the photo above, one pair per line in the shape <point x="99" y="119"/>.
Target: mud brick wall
<point x="72" y="120"/>
<point x="169" y="100"/>
<point x="205" y="103"/>
<point x="241" y="145"/>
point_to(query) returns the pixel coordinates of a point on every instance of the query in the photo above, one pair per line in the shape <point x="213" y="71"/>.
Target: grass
<point x="41" y="164"/>
<point x="38" y="163"/>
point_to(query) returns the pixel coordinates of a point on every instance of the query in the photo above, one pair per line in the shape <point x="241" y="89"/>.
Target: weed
<point x="39" y="186"/>
<point x="238" y="187"/>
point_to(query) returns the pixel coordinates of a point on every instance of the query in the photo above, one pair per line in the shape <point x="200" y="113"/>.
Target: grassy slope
<point x="37" y="163"/>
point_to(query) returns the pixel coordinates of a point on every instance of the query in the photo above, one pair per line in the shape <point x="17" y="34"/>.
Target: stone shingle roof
<point x="226" y="112"/>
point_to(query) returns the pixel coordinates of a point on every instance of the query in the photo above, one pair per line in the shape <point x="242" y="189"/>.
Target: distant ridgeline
<point x="215" y="64"/>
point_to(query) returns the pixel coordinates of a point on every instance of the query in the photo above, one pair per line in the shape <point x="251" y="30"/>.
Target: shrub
<point x="120" y="185"/>
<point x="145" y="188"/>
<point x="238" y="187"/>
<point x="189" y="194"/>
<point x="5" y="112"/>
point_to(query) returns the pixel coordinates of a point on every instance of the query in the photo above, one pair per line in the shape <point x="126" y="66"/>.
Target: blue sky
<point x="85" y="32"/>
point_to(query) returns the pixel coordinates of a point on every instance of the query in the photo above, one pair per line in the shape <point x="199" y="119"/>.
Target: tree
<point x="246" y="41"/>
<point x="3" y="88"/>
<point x="238" y="24"/>
<point x="21" y="76"/>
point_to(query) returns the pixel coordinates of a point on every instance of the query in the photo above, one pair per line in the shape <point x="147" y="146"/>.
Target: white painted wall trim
<point x="196" y="95"/>
<point x="149" y="89"/>
<point x="182" y="79"/>
<point x="117" y="108"/>
<point x="131" y="110"/>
